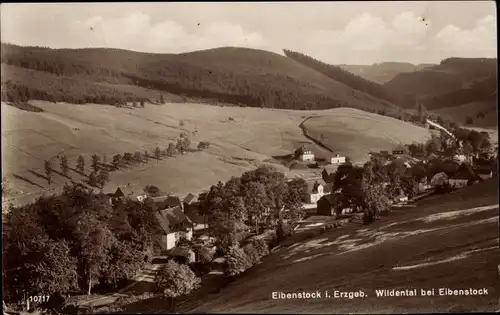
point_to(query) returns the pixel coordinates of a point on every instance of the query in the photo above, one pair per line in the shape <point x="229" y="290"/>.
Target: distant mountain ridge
<point x="450" y="75"/>
<point x="242" y="77"/>
<point x="384" y="71"/>
<point x="234" y="75"/>
<point x="344" y="76"/>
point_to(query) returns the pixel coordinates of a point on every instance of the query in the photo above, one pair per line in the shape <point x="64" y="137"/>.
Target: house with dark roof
<point x="304" y="154"/>
<point x="190" y="199"/>
<point x="165" y="202"/>
<point x="174" y="225"/>
<point x="192" y="210"/>
<point x="384" y="154"/>
<point x="116" y="197"/>
<point x="325" y="206"/>
<point x="126" y="191"/>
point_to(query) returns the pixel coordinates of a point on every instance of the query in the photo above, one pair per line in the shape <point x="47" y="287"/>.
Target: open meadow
<point x="240" y="139"/>
<point x="369" y="133"/>
<point x="446" y="241"/>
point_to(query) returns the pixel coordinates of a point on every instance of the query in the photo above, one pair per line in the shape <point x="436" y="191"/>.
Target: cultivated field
<point x="448" y="241"/>
<point x="241" y="139"/>
<point x="373" y="132"/>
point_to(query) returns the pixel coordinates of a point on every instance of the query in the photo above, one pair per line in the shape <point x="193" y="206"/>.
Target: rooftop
<point x="190" y="198"/>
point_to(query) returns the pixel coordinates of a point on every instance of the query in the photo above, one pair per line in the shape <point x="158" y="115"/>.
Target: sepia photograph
<point x="250" y="157"/>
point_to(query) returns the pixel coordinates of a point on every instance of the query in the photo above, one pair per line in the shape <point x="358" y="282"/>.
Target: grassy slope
<point x="460" y="113"/>
<point x="362" y="258"/>
<point x="253" y="136"/>
<point x="234" y="75"/>
<point x="371" y="131"/>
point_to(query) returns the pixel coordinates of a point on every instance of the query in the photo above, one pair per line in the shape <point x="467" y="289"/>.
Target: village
<point x="219" y="233"/>
<point x="183" y="227"/>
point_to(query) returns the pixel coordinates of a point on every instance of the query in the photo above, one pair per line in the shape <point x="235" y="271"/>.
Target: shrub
<point x="261" y="246"/>
<point x="283" y="231"/>
<point x="204" y="255"/>
<point x="237" y="261"/>
<point x="251" y="252"/>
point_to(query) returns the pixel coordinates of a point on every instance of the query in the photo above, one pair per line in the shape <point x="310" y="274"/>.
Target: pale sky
<point x="334" y="32"/>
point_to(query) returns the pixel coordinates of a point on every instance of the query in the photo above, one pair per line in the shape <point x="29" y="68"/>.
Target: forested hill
<point x="232" y="75"/>
<point x="346" y="77"/>
<point x="451" y="75"/>
<point x="383" y="72"/>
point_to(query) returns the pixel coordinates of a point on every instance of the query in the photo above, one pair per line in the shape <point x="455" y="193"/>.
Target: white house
<point x="403" y="199"/>
<point x="337" y="159"/>
<point x="461" y="158"/>
<point x="304" y="155"/>
<point x="174" y="225"/>
<point x="458" y="182"/>
<point x="316" y="192"/>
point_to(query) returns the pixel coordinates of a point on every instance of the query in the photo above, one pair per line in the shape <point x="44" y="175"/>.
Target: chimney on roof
<point x="338" y="155"/>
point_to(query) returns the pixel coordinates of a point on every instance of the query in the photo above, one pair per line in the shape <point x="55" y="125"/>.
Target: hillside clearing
<point x="460" y="113"/>
<point x="241" y="139"/>
<point x="372" y="131"/>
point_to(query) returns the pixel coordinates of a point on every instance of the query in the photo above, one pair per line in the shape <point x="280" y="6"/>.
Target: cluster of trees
<point x="260" y="196"/>
<point x="341" y="75"/>
<point x="73" y="242"/>
<point x="485" y="89"/>
<point x="371" y="187"/>
<point x="100" y="169"/>
<point x="239" y="259"/>
<point x="22" y="85"/>
<point x="174" y="280"/>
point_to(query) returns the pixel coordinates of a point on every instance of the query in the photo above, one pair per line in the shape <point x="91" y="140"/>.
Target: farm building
<point x="192" y="211"/>
<point x="303" y="154"/>
<point x="166" y="202"/>
<point x="325" y="205"/>
<point x="384" y="154"/>
<point x="126" y="192"/>
<point x="461" y="158"/>
<point x="337" y="159"/>
<point x="173" y="223"/>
